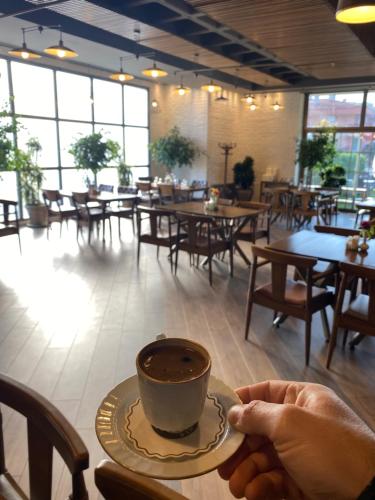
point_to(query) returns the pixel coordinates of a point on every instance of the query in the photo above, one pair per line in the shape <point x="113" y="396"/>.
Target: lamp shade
<point x="248" y="98"/>
<point x="181" y="90"/>
<point x="154" y="72"/>
<point x="120" y="76"/>
<point x="24" y="52"/>
<point x="211" y="87"/>
<point x="355" y="11"/>
<point x="61" y="51"/>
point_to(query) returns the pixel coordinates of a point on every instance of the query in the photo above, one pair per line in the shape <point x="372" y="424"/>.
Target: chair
<point x="167" y="193"/>
<point x="47" y="429"/>
<point x="225" y="202"/>
<point x="340" y="231"/>
<point x="202" y="238"/>
<point x="260" y="226"/>
<point x="115" y="483"/>
<point x="88" y="215"/>
<point x="56" y="209"/>
<point x="361" y="212"/>
<point x="306" y="209"/>
<point x="154" y="236"/>
<point x="125" y="210"/>
<point x="293" y="298"/>
<point x="7" y="226"/>
<point x="279" y="200"/>
<point x="108" y="188"/>
<point x="146" y="192"/>
<point x="359" y="315"/>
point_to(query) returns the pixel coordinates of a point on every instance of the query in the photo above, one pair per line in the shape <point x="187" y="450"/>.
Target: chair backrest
<point x="153" y="215"/>
<point x="340" y="231"/>
<point x="115" y="482"/>
<point x="256" y="205"/>
<point x="193" y="227"/>
<point x="144" y="186"/>
<point x="8" y="213"/>
<point x="47" y="428"/>
<point x="279" y="266"/>
<point x="51" y="195"/>
<point x="127" y="190"/>
<point x="368" y="276"/>
<point x="80" y="198"/>
<point x="166" y="190"/>
<point x="106" y="187"/>
<point x="226" y="202"/>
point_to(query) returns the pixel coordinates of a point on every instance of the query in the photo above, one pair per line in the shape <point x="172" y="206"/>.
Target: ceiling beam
<point x="364" y="32"/>
<point x="86" y="31"/>
<point x="31" y="9"/>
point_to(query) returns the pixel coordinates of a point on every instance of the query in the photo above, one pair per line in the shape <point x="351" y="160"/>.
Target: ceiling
<point x="258" y="45"/>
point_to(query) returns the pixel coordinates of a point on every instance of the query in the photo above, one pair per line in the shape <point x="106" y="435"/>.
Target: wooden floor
<point x="72" y="318"/>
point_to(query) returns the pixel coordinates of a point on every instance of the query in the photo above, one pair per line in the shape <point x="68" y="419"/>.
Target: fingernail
<point x="234" y="414"/>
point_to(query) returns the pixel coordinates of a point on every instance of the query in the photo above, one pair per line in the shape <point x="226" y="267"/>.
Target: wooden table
<point x="105" y="197"/>
<point x="238" y="215"/>
<point x="327" y="247"/>
<point x="6" y="204"/>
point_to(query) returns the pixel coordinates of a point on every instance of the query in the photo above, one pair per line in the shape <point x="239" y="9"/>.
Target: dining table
<point x="105" y="197"/>
<point x="238" y="217"/>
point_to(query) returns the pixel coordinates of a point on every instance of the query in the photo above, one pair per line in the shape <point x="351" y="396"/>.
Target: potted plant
<point x="244" y="178"/>
<point x="31" y="178"/>
<point x="333" y="176"/>
<point x="317" y="152"/>
<point x="125" y="174"/>
<point x="174" y="150"/>
<point x="94" y="152"/>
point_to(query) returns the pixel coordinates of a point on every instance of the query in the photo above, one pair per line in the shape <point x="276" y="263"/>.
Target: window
<point x="51" y="179"/>
<point x="74" y="96"/>
<point x="136" y="146"/>
<point x="4" y="88"/>
<point x="338" y="110"/>
<point x="69" y="132"/>
<point x="33" y="90"/>
<point x="111" y="132"/>
<point x="107" y="102"/>
<point x="370" y="110"/>
<point x="135" y="106"/>
<point x="45" y="132"/>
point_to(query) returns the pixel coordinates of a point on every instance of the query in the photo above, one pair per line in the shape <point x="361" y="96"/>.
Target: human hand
<point x="302" y="442"/>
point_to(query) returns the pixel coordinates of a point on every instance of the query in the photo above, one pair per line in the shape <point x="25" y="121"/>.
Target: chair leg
<point x="157" y="251"/>
<point x="210" y="269"/>
<point x="133" y="225"/>
<point x="119" y="227"/>
<point x="61" y="224"/>
<point x="345" y="337"/>
<point x="19" y="243"/>
<point x="323" y="314"/>
<point x="307" y="341"/>
<point x="138" y="251"/>
<point x="176" y="260"/>
<point x="231" y="260"/>
<point x="332" y="344"/>
<point x="110" y="227"/>
<point x="90" y="231"/>
<point x="356" y="220"/>
<point x="248" y="318"/>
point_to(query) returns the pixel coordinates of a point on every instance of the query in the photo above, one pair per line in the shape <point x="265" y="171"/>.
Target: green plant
<point x="93" y="152"/>
<point x="8" y="151"/>
<point x="244" y="173"/>
<point x="333" y="176"/>
<point x="174" y="150"/>
<point x="125" y="174"/>
<point x="30" y="174"/>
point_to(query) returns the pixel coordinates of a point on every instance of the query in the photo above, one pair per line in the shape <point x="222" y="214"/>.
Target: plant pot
<point x="38" y="216"/>
<point x="244" y="194"/>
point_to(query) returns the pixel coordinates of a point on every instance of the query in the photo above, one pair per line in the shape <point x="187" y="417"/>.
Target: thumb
<point x="257" y="417"/>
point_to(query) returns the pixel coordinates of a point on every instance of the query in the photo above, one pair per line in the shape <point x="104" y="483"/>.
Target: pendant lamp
<point x="355" y="11"/>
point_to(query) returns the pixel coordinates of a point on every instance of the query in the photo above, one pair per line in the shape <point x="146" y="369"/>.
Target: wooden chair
<point x="340" y="231"/>
<point x="306" y="208"/>
<point x="280" y="204"/>
<point x="47" y="429"/>
<point x="124" y="210"/>
<point x="147" y="194"/>
<point x="88" y="215"/>
<point x="116" y="483"/>
<point x="9" y="224"/>
<point x="225" y="202"/>
<point x="202" y="238"/>
<point x="359" y="315"/>
<point x="154" y="235"/>
<point x="260" y="226"/>
<point x="298" y="299"/>
<point x="56" y="209"/>
<point x="167" y="193"/>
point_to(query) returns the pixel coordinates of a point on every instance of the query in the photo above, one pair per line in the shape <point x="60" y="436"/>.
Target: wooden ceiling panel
<point x="302" y="33"/>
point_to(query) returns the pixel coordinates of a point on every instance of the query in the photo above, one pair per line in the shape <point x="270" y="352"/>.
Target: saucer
<point x="128" y="438"/>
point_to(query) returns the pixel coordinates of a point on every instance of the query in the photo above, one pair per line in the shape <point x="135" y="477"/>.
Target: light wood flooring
<point x="73" y="317"/>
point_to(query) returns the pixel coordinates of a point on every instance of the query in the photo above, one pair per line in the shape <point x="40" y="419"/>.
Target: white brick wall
<point x="266" y="135"/>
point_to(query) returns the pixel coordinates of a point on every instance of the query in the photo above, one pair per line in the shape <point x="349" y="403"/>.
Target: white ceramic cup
<point x="173" y="408"/>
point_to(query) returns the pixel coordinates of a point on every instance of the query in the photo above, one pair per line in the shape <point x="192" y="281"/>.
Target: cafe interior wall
<point x="268" y="136"/>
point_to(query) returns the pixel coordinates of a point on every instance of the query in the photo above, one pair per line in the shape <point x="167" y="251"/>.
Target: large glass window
<point x="107" y="102"/>
<point x="337" y="110"/>
<point x="4" y="88"/>
<point x="33" y="90"/>
<point x="354" y="139"/>
<point x="74" y="96"/>
<point x="58" y="107"/>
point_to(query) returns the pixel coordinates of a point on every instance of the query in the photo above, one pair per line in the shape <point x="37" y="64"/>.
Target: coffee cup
<point x="173" y="375"/>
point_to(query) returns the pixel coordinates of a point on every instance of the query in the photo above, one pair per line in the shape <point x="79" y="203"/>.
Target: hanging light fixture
<point x="355" y="11"/>
<point x="276" y="106"/>
<point x="121" y="76"/>
<point x="248" y="98"/>
<point x="24" y="52"/>
<point x="61" y="50"/>
<point x="182" y="90"/>
<point x="211" y="87"/>
<point x="253" y="106"/>
<point x="222" y="97"/>
<point x="154" y="72"/>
